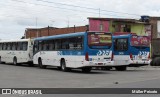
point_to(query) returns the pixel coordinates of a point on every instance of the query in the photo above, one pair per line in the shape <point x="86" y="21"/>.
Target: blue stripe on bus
<point x="61" y="36"/>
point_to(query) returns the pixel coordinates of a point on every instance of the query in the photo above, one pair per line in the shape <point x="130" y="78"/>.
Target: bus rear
<point x="131" y="50"/>
<point x="98" y="50"/>
<point x="139" y="50"/>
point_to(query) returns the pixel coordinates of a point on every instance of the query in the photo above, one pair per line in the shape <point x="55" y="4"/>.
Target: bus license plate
<point x="100" y="64"/>
<point x="140" y="57"/>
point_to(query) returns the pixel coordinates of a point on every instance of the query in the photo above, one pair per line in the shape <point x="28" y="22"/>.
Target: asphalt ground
<point x="33" y="77"/>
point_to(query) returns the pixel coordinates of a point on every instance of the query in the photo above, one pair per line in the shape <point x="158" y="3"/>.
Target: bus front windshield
<point x="99" y="39"/>
<point x="140" y="41"/>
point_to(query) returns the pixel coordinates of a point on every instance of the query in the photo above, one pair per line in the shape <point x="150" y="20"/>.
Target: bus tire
<point x="121" y="68"/>
<point x="0" y="60"/>
<point x="30" y="64"/>
<point x="157" y="61"/>
<point x="151" y="63"/>
<point x="63" y="66"/>
<point x="40" y="64"/>
<point x="15" y="61"/>
<point x="59" y="68"/>
<point x="86" y="69"/>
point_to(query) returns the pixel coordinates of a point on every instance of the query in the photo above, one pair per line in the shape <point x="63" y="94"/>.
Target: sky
<point x="17" y="15"/>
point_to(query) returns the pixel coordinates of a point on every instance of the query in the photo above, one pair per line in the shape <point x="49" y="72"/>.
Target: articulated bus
<point x="131" y="50"/>
<point x="82" y="50"/>
<point x="16" y="51"/>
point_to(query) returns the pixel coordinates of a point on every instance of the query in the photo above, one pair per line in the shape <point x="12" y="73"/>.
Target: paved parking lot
<point x="34" y="77"/>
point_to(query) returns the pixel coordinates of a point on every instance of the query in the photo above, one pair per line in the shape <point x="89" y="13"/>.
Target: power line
<point x="88" y="7"/>
<point x="37" y="12"/>
<point x="66" y="8"/>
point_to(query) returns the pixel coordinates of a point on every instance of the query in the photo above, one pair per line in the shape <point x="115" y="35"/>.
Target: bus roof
<point x="60" y="36"/>
<point x="123" y="33"/>
<point x="122" y="36"/>
<point x="14" y="40"/>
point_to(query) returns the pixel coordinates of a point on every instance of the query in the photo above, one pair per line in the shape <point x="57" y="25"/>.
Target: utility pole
<point x="68" y="22"/>
<point x="36" y="27"/>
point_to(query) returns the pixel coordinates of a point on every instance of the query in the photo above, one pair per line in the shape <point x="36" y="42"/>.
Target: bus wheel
<point x="63" y="66"/>
<point x="86" y="69"/>
<point x="41" y="65"/>
<point x="157" y="61"/>
<point x="152" y="63"/>
<point x="30" y="64"/>
<point x="121" y="68"/>
<point x="0" y="61"/>
<point x="15" y="61"/>
<point x="59" y="68"/>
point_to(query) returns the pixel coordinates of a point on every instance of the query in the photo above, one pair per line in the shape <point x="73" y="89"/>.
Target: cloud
<point x="16" y="15"/>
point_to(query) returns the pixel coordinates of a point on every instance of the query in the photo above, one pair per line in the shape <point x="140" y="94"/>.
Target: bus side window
<point x="0" y="46"/>
<point x="80" y="43"/>
<point x="71" y="43"/>
<point x="14" y="46"/>
<point x="24" y="46"/>
<point x="115" y="44"/>
<point x="65" y="44"/>
<point x="19" y="46"/>
<point x="8" y="46"/>
<point x="76" y="43"/>
<point x="51" y="45"/>
<point x="35" y="47"/>
<point x="40" y="46"/>
<point x="58" y="45"/>
<point x="4" y="46"/>
<point x="45" y="45"/>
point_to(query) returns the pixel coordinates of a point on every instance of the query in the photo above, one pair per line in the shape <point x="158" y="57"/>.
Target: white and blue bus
<point x="131" y="50"/>
<point x="82" y="50"/>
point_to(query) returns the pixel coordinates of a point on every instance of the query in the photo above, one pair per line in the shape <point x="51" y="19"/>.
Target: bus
<point x="16" y="51"/>
<point x="81" y="50"/>
<point x="131" y="50"/>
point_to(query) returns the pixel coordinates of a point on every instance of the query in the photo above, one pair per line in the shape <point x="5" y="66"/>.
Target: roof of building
<point x="118" y="20"/>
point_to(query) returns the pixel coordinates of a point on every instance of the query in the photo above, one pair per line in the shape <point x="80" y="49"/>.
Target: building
<point x="113" y="25"/>
<point x="155" y="22"/>
<point x="48" y="31"/>
<point x="143" y="27"/>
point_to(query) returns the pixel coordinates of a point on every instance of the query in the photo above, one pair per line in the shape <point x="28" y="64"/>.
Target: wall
<point x="98" y="25"/>
<point x="48" y="31"/>
<point x="139" y="29"/>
